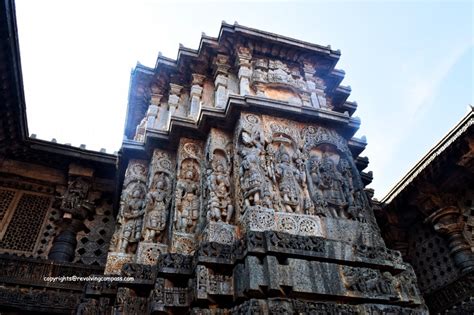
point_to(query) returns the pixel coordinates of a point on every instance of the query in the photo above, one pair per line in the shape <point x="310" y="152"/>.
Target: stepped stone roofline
<point x="147" y="80"/>
<point x="432" y="157"/>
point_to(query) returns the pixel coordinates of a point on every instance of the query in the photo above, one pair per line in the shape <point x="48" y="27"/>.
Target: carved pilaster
<point x="449" y="222"/>
<point x="220" y="80"/>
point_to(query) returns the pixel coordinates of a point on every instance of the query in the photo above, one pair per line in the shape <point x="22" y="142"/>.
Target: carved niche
<point x="130" y="217"/>
<point x="334" y="184"/>
<point x="252" y="185"/>
<point x="187" y="204"/>
<point x="157" y="208"/>
<point x="285" y="167"/>
<point x="218" y="192"/>
<point x="158" y="198"/>
<point x="293" y="168"/>
<point x="280" y="80"/>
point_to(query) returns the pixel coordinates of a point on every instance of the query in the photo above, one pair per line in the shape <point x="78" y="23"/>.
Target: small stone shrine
<point x="243" y="191"/>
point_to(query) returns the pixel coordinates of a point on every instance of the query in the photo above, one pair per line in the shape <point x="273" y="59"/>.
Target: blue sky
<point x="409" y="63"/>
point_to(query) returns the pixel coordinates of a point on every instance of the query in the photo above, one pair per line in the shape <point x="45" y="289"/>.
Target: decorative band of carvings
<point x="13" y="270"/>
<point x="451" y="294"/>
<point x="178" y="264"/>
<point x="309" y="247"/>
<point x="39" y="300"/>
<point x="260" y="219"/>
<point x="293" y="306"/>
<point x="268" y="242"/>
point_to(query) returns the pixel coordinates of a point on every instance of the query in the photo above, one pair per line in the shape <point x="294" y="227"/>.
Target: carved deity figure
<point x="251" y="172"/>
<point x="132" y="218"/>
<point x="187" y="198"/>
<point x="157" y="201"/>
<point x="354" y="202"/>
<point x="75" y="201"/>
<point x="289" y="180"/>
<point x="220" y="204"/>
<point x="252" y="178"/>
<point x="328" y="186"/>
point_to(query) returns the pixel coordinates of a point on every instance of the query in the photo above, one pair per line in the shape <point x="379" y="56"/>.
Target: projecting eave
<point x="436" y="155"/>
<point x="284" y="40"/>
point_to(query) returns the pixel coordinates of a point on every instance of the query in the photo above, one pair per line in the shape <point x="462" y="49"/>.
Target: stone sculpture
<point x="187" y="197"/>
<point x="220" y="204"/>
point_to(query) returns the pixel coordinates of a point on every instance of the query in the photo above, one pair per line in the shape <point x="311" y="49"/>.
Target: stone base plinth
<point x="261" y="219"/>
<point x="183" y="243"/>
<point x="148" y="252"/>
<point x="115" y="261"/>
<point x="220" y="232"/>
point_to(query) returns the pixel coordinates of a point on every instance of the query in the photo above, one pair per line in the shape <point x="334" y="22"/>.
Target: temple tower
<point x="243" y="190"/>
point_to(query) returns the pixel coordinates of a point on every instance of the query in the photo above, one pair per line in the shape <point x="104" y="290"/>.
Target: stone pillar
<point x="75" y="207"/>
<point x="196" y="92"/>
<point x="244" y="63"/>
<point x="449" y="222"/>
<point x="220" y="80"/>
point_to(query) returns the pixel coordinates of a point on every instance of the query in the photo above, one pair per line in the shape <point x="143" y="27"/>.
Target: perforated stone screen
<point x="26" y="222"/>
<point x="431" y="259"/>
<point x="6" y="198"/>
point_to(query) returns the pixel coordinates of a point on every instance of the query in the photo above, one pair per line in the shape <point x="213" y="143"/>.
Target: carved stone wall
<point x="272" y="211"/>
<point x="263" y="210"/>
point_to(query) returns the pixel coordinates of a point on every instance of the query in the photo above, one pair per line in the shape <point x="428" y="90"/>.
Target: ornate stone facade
<point x="247" y="197"/>
<point x="239" y="190"/>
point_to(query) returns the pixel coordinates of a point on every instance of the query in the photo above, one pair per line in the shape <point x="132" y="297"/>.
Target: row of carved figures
<point x="273" y="173"/>
<point x="315" y="179"/>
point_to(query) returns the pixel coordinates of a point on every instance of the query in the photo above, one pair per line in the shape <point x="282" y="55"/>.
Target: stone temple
<point x="242" y="189"/>
<point x="239" y="189"/>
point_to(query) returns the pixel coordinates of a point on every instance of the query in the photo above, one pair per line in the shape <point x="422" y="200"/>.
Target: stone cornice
<point x="214" y="117"/>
